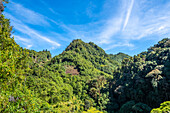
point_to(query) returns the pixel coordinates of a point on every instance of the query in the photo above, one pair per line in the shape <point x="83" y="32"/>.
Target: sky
<point x="128" y="26"/>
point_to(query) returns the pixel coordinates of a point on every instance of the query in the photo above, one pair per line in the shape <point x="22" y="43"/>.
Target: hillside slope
<point x="143" y="82"/>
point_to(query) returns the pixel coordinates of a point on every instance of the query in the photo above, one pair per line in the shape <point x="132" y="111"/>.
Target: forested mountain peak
<point x="86" y="56"/>
<point x="119" y="57"/>
<point x="79" y="46"/>
<point x="74" y="44"/>
<point x="120" y="53"/>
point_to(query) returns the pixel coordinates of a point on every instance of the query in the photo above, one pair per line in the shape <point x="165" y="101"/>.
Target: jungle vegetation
<point x="83" y="78"/>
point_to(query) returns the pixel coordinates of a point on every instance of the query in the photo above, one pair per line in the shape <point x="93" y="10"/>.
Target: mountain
<point x="83" y="78"/>
<point x="87" y="58"/>
<point x="119" y="57"/>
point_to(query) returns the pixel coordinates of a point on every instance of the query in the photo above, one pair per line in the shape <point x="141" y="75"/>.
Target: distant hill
<point x="119" y="57"/>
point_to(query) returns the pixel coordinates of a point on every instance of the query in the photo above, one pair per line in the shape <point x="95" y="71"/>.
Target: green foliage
<point x="92" y="110"/>
<point x="119" y="57"/>
<point x="40" y="57"/>
<point x="164" y="108"/>
<point x="144" y="78"/>
<point x="92" y="53"/>
<point x="127" y="107"/>
<point x="131" y="107"/>
<point x="15" y="96"/>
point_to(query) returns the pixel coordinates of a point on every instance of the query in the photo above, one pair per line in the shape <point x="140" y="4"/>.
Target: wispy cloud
<point x="147" y="22"/>
<point x="26" y="42"/>
<point x="120" y="44"/>
<point x="26" y="15"/>
<point x="53" y="11"/>
<point x="128" y="14"/>
<point x="21" y="39"/>
<point x="30" y="32"/>
<point x="104" y="31"/>
<point x="161" y="27"/>
<point x="109" y="30"/>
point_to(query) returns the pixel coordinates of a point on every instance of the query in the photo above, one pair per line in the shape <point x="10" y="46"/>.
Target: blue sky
<point x="128" y="26"/>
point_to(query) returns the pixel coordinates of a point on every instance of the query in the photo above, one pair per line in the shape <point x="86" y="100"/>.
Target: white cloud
<point x="147" y="21"/>
<point x="26" y="15"/>
<point x="53" y="11"/>
<point x="29" y="46"/>
<point x="125" y="44"/>
<point x="109" y="30"/>
<point x="143" y="22"/>
<point x="21" y="39"/>
<point x="161" y="27"/>
<point x="128" y="14"/>
<point x="26" y="42"/>
<point x="114" y="24"/>
<point x="18" y="25"/>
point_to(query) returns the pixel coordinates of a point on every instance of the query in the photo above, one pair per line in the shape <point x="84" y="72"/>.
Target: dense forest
<point x="83" y="78"/>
